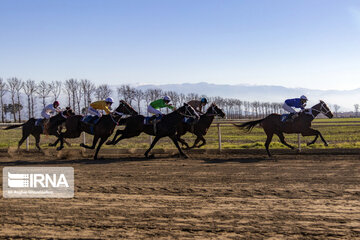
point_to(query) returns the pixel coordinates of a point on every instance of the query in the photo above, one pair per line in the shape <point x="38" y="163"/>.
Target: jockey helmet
<point x="204" y="100"/>
<point x="303" y="97"/>
<point x="167" y="98"/>
<point x="56" y="103"/>
<point x="109" y="100"/>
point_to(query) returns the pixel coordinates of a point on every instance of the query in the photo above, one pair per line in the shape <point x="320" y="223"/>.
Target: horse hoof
<point x="59" y="148"/>
<point x="82" y="145"/>
<point x="326" y="145"/>
<point x="185" y="156"/>
<point x="150" y="157"/>
<point x="51" y="145"/>
<point x="109" y="143"/>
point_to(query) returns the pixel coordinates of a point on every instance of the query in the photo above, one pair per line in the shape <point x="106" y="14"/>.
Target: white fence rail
<point x="220" y="123"/>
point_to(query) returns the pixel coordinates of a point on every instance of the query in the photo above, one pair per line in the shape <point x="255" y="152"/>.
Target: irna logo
<point x="36" y="180"/>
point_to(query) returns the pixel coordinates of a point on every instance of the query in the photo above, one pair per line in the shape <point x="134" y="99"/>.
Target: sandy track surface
<point x="228" y="196"/>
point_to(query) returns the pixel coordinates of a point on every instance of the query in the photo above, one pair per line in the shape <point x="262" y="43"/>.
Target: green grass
<point x="339" y="136"/>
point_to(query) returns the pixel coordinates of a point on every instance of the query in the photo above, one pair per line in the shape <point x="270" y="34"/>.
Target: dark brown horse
<point x="30" y="127"/>
<point x="135" y="125"/>
<point x="272" y="124"/>
<point x="199" y="128"/>
<point x="102" y="130"/>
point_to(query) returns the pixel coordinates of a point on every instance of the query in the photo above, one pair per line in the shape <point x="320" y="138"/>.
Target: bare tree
<point x="174" y="97"/>
<point x="3" y="90"/>
<point x="126" y="92"/>
<point x="192" y="96"/>
<point x="155" y="93"/>
<point x="88" y="89"/>
<point x="71" y="86"/>
<point x="356" y="106"/>
<point x="43" y="91"/>
<point x="182" y="98"/>
<point x="336" y="109"/>
<point x="15" y="85"/>
<point x="56" y="89"/>
<point x="138" y="96"/>
<point x="30" y="89"/>
<point x="103" y="91"/>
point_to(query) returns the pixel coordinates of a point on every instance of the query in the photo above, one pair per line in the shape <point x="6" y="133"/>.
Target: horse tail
<point x="248" y="126"/>
<point x="14" y="126"/>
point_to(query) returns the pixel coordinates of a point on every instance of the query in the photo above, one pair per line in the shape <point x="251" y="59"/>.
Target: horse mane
<point x="128" y="105"/>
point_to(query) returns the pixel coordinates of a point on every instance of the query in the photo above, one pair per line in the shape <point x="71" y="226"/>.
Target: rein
<point x="185" y="114"/>
<point x="116" y="122"/>
<point x="320" y="111"/>
<point x="127" y="108"/>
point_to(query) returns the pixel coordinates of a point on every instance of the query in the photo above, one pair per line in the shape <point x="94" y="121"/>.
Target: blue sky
<point x="311" y="44"/>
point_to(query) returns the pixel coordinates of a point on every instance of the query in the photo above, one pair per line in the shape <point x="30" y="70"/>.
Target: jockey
<point x="160" y="103"/>
<point x="95" y="107"/>
<point x="198" y="105"/>
<point x="290" y="104"/>
<point x="49" y="111"/>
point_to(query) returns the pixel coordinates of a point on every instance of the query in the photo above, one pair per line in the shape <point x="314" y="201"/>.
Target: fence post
<point x="299" y="143"/>
<point x="27" y="143"/>
<point x="84" y="137"/>
<point x="219" y="136"/>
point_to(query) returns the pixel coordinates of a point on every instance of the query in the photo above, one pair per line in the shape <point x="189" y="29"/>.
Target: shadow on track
<point x="74" y="161"/>
<point x="237" y="159"/>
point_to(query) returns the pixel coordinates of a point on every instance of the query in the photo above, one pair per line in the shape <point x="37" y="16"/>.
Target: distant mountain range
<point x="344" y="98"/>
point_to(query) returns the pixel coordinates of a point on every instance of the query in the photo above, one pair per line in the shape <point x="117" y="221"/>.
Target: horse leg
<point x="282" y="140"/>
<point x="203" y="141"/>
<point x="24" y="137"/>
<point x="173" y="138"/>
<point x="156" y="139"/>
<point x="313" y="141"/>
<point x="113" y="142"/>
<point x="102" y="140"/>
<point x="182" y="141"/>
<point x="127" y="135"/>
<point x="95" y="140"/>
<point x="316" y="133"/>
<point x="37" y="141"/>
<point x="267" y="143"/>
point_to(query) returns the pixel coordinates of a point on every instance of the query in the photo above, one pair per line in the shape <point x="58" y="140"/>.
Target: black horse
<point x="272" y="124"/>
<point x="135" y="125"/>
<point x="200" y="127"/>
<point x="102" y="130"/>
<point x="30" y="127"/>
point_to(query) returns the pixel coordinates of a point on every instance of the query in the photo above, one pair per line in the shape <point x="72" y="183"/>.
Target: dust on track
<point x="230" y="196"/>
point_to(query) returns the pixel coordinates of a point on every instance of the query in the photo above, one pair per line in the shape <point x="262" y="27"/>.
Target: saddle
<point x="153" y="120"/>
<point x="288" y="117"/>
<point x="39" y="122"/>
<point x="90" y="119"/>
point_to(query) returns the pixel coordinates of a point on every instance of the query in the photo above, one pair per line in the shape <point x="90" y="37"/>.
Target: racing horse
<point x="167" y="127"/>
<point x="200" y="127"/>
<point x="101" y="130"/>
<point x="272" y="124"/>
<point x="31" y="127"/>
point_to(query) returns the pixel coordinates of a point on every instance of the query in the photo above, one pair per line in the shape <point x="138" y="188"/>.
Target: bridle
<point x="188" y="113"/>
<point x="322" y="106"/>
<point x="112" y="118"/>
<point x="62" y="114"/>
<point x="214" y="110"/>
<point x="127" y="109"/>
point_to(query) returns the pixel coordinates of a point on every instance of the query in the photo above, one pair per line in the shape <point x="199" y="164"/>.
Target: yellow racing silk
<point x="100" y="105"/>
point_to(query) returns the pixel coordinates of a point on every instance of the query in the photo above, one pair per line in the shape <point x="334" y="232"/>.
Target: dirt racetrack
<point x="228" y="196"/>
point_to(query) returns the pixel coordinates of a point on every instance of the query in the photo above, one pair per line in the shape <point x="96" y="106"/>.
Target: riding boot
<point x="46" y="126"/>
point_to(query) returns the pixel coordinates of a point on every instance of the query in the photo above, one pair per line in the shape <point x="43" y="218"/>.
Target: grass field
<point x="340" y="133"/>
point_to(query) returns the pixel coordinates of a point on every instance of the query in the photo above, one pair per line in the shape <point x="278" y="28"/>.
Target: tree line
<point x="20" y="98"/>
